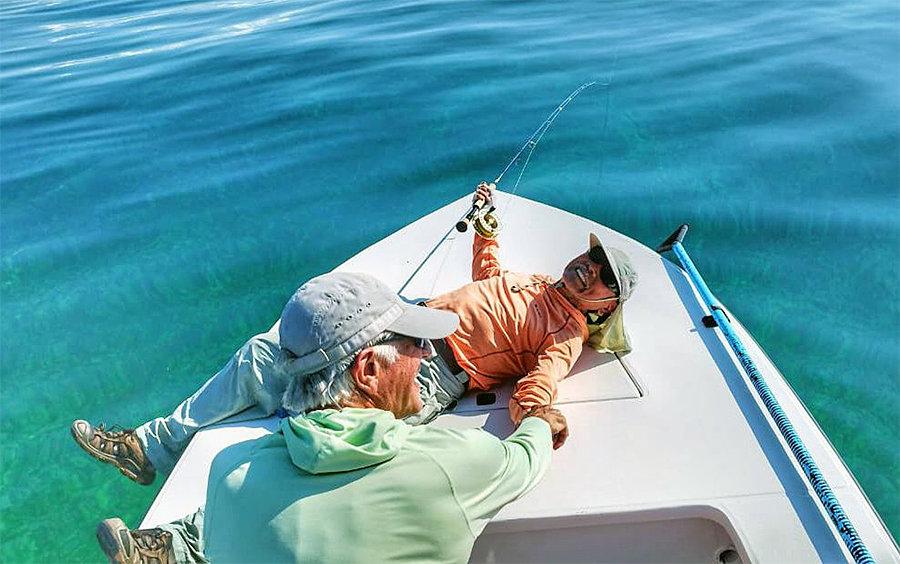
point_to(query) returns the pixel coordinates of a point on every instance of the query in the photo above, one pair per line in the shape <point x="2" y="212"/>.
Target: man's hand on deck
<point x="485" y="192"/>
<point x="558" y="426"/>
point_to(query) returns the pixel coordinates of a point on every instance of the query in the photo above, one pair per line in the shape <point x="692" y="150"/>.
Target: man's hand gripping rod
<point x="482" y="196"/>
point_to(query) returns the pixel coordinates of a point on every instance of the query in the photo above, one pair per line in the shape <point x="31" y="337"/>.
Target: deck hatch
<point x="595" y="377"/>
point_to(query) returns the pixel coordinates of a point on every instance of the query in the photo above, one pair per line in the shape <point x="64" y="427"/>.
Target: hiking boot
<point x="141" y="546"/>
<point x="119" y="447"/>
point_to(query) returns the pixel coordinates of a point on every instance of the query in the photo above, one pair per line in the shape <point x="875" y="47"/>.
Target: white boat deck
<point x="671" y="457"/>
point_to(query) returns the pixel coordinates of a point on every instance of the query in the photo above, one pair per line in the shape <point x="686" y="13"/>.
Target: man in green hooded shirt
<point x="348" y="480"/>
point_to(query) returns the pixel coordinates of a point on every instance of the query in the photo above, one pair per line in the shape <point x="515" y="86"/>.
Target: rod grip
<point x="463" y="224"/>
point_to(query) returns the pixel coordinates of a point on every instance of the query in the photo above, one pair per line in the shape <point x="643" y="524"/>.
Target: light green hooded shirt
<point x="358" y="485"/>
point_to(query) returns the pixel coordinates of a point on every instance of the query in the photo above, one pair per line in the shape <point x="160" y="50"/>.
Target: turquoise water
<point x="171" y="171"/>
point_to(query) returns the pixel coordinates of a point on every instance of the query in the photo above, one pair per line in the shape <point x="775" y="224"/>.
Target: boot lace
<point x="152" y="539"/>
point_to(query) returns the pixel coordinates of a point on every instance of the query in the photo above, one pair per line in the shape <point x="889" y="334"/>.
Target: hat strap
<point x="320" y="358"/>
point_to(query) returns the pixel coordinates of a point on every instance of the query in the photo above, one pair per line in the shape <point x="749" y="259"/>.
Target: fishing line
<point x="609" y="82"/>
<point x="428" y="256"/>
<point x="440" y="267"/>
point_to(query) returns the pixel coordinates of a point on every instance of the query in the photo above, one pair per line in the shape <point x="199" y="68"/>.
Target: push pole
<point x="718" y="318"/>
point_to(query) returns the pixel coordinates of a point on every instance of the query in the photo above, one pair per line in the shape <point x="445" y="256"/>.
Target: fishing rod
<point x="539" y="132"/>
<point x="485" y="221"/>
<point x="463" y="224"/>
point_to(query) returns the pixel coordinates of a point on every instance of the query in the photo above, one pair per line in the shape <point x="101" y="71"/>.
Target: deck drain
<point x="728" y="556"/>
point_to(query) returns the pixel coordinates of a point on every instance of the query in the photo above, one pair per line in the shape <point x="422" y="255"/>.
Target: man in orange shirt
<point x="528" y="326"/>
<point x="512" y="326"/>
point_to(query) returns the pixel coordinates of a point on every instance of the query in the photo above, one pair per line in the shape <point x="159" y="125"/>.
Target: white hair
<point x="334" y="383"/>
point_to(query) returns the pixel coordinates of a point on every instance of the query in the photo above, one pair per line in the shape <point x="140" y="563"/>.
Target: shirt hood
<point x="332" y="440"/>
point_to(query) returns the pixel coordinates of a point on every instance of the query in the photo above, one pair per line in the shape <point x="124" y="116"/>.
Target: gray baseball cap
<point x="335" y="314"/>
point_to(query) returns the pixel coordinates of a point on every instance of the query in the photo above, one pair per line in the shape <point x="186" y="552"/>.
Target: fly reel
<point x="487" y="224"/>
<point x="485" y="220"/>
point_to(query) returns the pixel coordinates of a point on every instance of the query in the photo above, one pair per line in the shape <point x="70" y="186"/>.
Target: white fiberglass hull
<point x="671" y="458"/>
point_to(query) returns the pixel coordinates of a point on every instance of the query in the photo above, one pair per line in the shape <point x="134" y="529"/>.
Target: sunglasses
<point x="598" y="257"/>
<point x="420" y="342"/>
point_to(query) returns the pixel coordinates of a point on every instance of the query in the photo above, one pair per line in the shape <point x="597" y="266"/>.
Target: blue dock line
<point x="844" y="527"/>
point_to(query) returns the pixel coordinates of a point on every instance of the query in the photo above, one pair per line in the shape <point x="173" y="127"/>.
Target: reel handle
<point x="463" y="224"/>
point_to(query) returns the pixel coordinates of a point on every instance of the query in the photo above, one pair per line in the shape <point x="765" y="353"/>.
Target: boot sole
<point x="109" y="540"/>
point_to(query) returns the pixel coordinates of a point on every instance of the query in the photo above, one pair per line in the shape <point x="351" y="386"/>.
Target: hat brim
<point x="424" y="322"/>
<point x="594" y="241"/>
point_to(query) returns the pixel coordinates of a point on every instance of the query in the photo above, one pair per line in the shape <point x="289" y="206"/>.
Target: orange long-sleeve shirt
<point x="513" y="325"/>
